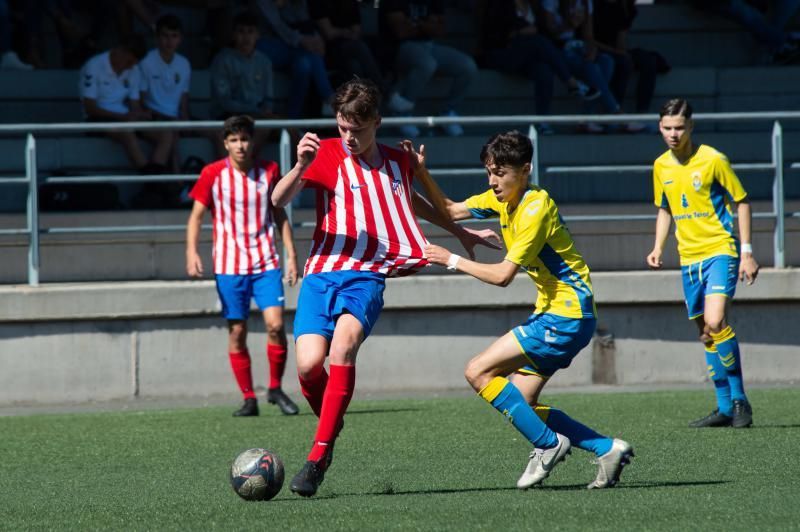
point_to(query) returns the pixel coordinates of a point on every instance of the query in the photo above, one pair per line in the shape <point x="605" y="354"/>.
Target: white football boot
<point x="609" y="466"/>
<point x="542" y="461"/>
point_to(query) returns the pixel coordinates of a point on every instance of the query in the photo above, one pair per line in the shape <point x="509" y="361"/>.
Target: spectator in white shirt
<point x="109" y="88"/>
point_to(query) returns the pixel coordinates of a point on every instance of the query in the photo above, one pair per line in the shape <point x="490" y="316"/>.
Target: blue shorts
<point x="716" y="275"/>
<point x="326" y="296"/>
<point x="551" y="342"/>
<point x="235" y="292"/>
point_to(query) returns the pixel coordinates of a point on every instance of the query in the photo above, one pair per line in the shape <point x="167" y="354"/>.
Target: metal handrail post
<point x="33" y="211"/>
<point x="533" y="134"/>
<point x="285" y="155"/>
<point x="777" y="196"/>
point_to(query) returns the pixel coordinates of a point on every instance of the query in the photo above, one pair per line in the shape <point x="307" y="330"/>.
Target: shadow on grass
<point x="777" y="426"/>
<point x="564" y="487"/>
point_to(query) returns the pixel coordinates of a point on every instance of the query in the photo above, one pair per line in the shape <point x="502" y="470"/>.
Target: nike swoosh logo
<point x="356" y="187"/>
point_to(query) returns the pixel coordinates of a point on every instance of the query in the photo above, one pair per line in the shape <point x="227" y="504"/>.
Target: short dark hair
<point x="507" y="149"/>
<point x="134" y="43"/>
<point x="246" y="19"/>
<point x="238" y="124"/>
<point x="676" y="107"/>
<point x="168" y="22"/>
<point x="358" y="100"/>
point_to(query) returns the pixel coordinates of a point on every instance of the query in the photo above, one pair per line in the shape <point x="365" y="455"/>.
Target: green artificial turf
<point x="426" y="464"/>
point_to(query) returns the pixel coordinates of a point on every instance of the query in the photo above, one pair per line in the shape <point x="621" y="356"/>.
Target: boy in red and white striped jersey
<point x="366" y="231"/>
<point x="246" y="263"/>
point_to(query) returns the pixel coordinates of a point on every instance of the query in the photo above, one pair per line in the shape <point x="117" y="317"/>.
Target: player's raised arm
<point x="290" y="184"/>
<point x="499" y="274"/>
<point x="748" y="267"/>
<point x="663" y="222"/>
<point x="194" y="264"/>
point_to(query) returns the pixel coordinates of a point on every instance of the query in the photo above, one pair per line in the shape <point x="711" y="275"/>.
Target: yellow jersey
<point x="699" y="195"/>
<point x="538" y="241"/>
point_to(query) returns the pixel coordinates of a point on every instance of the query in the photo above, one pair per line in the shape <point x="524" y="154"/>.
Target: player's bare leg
<point x="276" y="357"/>
<point x="240" y="364"/>
<point x="131" y="145"/>
<point x="486" y="374"/>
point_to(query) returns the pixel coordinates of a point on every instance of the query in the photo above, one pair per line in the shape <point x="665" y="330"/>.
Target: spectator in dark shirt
<point x="295" y="44"/>
<point x="512" y="43"/>
<point x="414" y="28"/>
<point x="339" y="23"/>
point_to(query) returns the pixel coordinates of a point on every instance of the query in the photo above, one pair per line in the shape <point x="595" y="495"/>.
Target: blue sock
<point x="507" y="399"/>
<point x="719" y="376"/>
<point x="579" y="434"/>
<point x="728" y="349"/>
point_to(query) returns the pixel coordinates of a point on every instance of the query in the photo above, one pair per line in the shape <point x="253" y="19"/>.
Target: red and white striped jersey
<point x="243" y="216"/>
<point x="365" y="221"/>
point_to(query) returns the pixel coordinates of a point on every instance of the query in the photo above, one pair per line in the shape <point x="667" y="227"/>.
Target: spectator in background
<point x="767" y="28"/>
<point x="339" y="23"/>
<point x="413" y="28"/>
<point x="9" y="60"/>
<point x="569" y="24"/>
<point x="511" y="42"/>
<point x="296" y="46"/>
<point x="241" y="78"/>
<point x="612" y="20"/>
<point x="165" y="79"/>
<point x="109" y="87"/>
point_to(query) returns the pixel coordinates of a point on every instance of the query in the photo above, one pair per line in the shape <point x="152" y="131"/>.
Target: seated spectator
<point x="612" y="20"/>
<point x="769" y="29"/>
<point x="413" y="28"/>
<point x="241" y="78"/>
<point x="109" y="90"/>
<point x="511" y="42"/>
<point x="339" y="23"/>
<point x="294" y="44"/>
<point x="9" y="60"/>
<point x="569" y="24"/>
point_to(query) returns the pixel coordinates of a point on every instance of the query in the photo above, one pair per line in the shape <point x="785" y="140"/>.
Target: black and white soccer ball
<point x="257" y="475"/>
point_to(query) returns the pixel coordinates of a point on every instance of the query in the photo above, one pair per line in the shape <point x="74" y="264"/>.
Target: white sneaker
<point x="542" y="461"/>
<point x="11" y="61"/>
<point x="452" y="130"/>
<point x="398" y="104"/>
<point x="609" y="466"/>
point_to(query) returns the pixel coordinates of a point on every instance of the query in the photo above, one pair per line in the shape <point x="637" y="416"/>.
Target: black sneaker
<point x="249" y="408"/>
<point x="307" y="481"/>
<point x="275" y="396"/>
<point x="714" y="419"/>
<point x="742" y="415"/>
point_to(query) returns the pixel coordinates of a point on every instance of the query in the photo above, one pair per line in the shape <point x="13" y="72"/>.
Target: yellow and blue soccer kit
<point x="699" y="194"/>
<point x="563" y="321"/>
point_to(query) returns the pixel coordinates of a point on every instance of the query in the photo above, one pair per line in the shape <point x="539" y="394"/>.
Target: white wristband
<point x="747" y="248"/>
<point x="452" y="261"/>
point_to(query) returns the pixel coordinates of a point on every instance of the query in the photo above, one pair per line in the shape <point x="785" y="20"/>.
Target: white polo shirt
<point x="99" y="82"/>
<point x="164" y="83"/>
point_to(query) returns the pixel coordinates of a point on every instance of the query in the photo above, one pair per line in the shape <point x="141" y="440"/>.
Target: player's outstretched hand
<point x="291" y="271"/>
<point x="437" y="254"/>
<point x="194" y="265"/>
<point x="469" y="238"/>
<point x="654" y="260"/>
<point x="748" y="269"/>
<point x="307" y="148"/>
<point x="417" y="158"/>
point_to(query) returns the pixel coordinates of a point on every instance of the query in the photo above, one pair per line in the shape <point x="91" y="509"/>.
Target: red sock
<point x="334" y="404"/>
<point x="313" y="389"/>
<point x="240" y="364"/>
<point x="276" y="354"/>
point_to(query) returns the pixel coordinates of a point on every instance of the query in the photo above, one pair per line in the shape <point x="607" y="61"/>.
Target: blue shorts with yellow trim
<point x="716" y="275"/>
<point x="326" y="296"/>
<point x="551" y="342"/>
<point x="236" y="291"/>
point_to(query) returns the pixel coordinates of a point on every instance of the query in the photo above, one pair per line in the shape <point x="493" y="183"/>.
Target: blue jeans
<point x="769" y="32"/>
<point x="536" y="58"/>
<point x="596" y="73"/>
<point x="418" y="61"/>
<point x="304" y="67"/>
<point x="5" y="28"/>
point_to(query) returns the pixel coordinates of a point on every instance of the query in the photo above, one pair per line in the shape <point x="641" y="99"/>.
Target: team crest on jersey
<point x="397" y="187"/>
<point x="697" y="183"/>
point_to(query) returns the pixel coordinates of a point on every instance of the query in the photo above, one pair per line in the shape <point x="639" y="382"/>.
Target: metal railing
<point x="33" y="230"/>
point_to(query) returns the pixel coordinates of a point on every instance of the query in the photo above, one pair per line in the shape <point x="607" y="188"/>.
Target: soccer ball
<point x="257" y="475"/>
